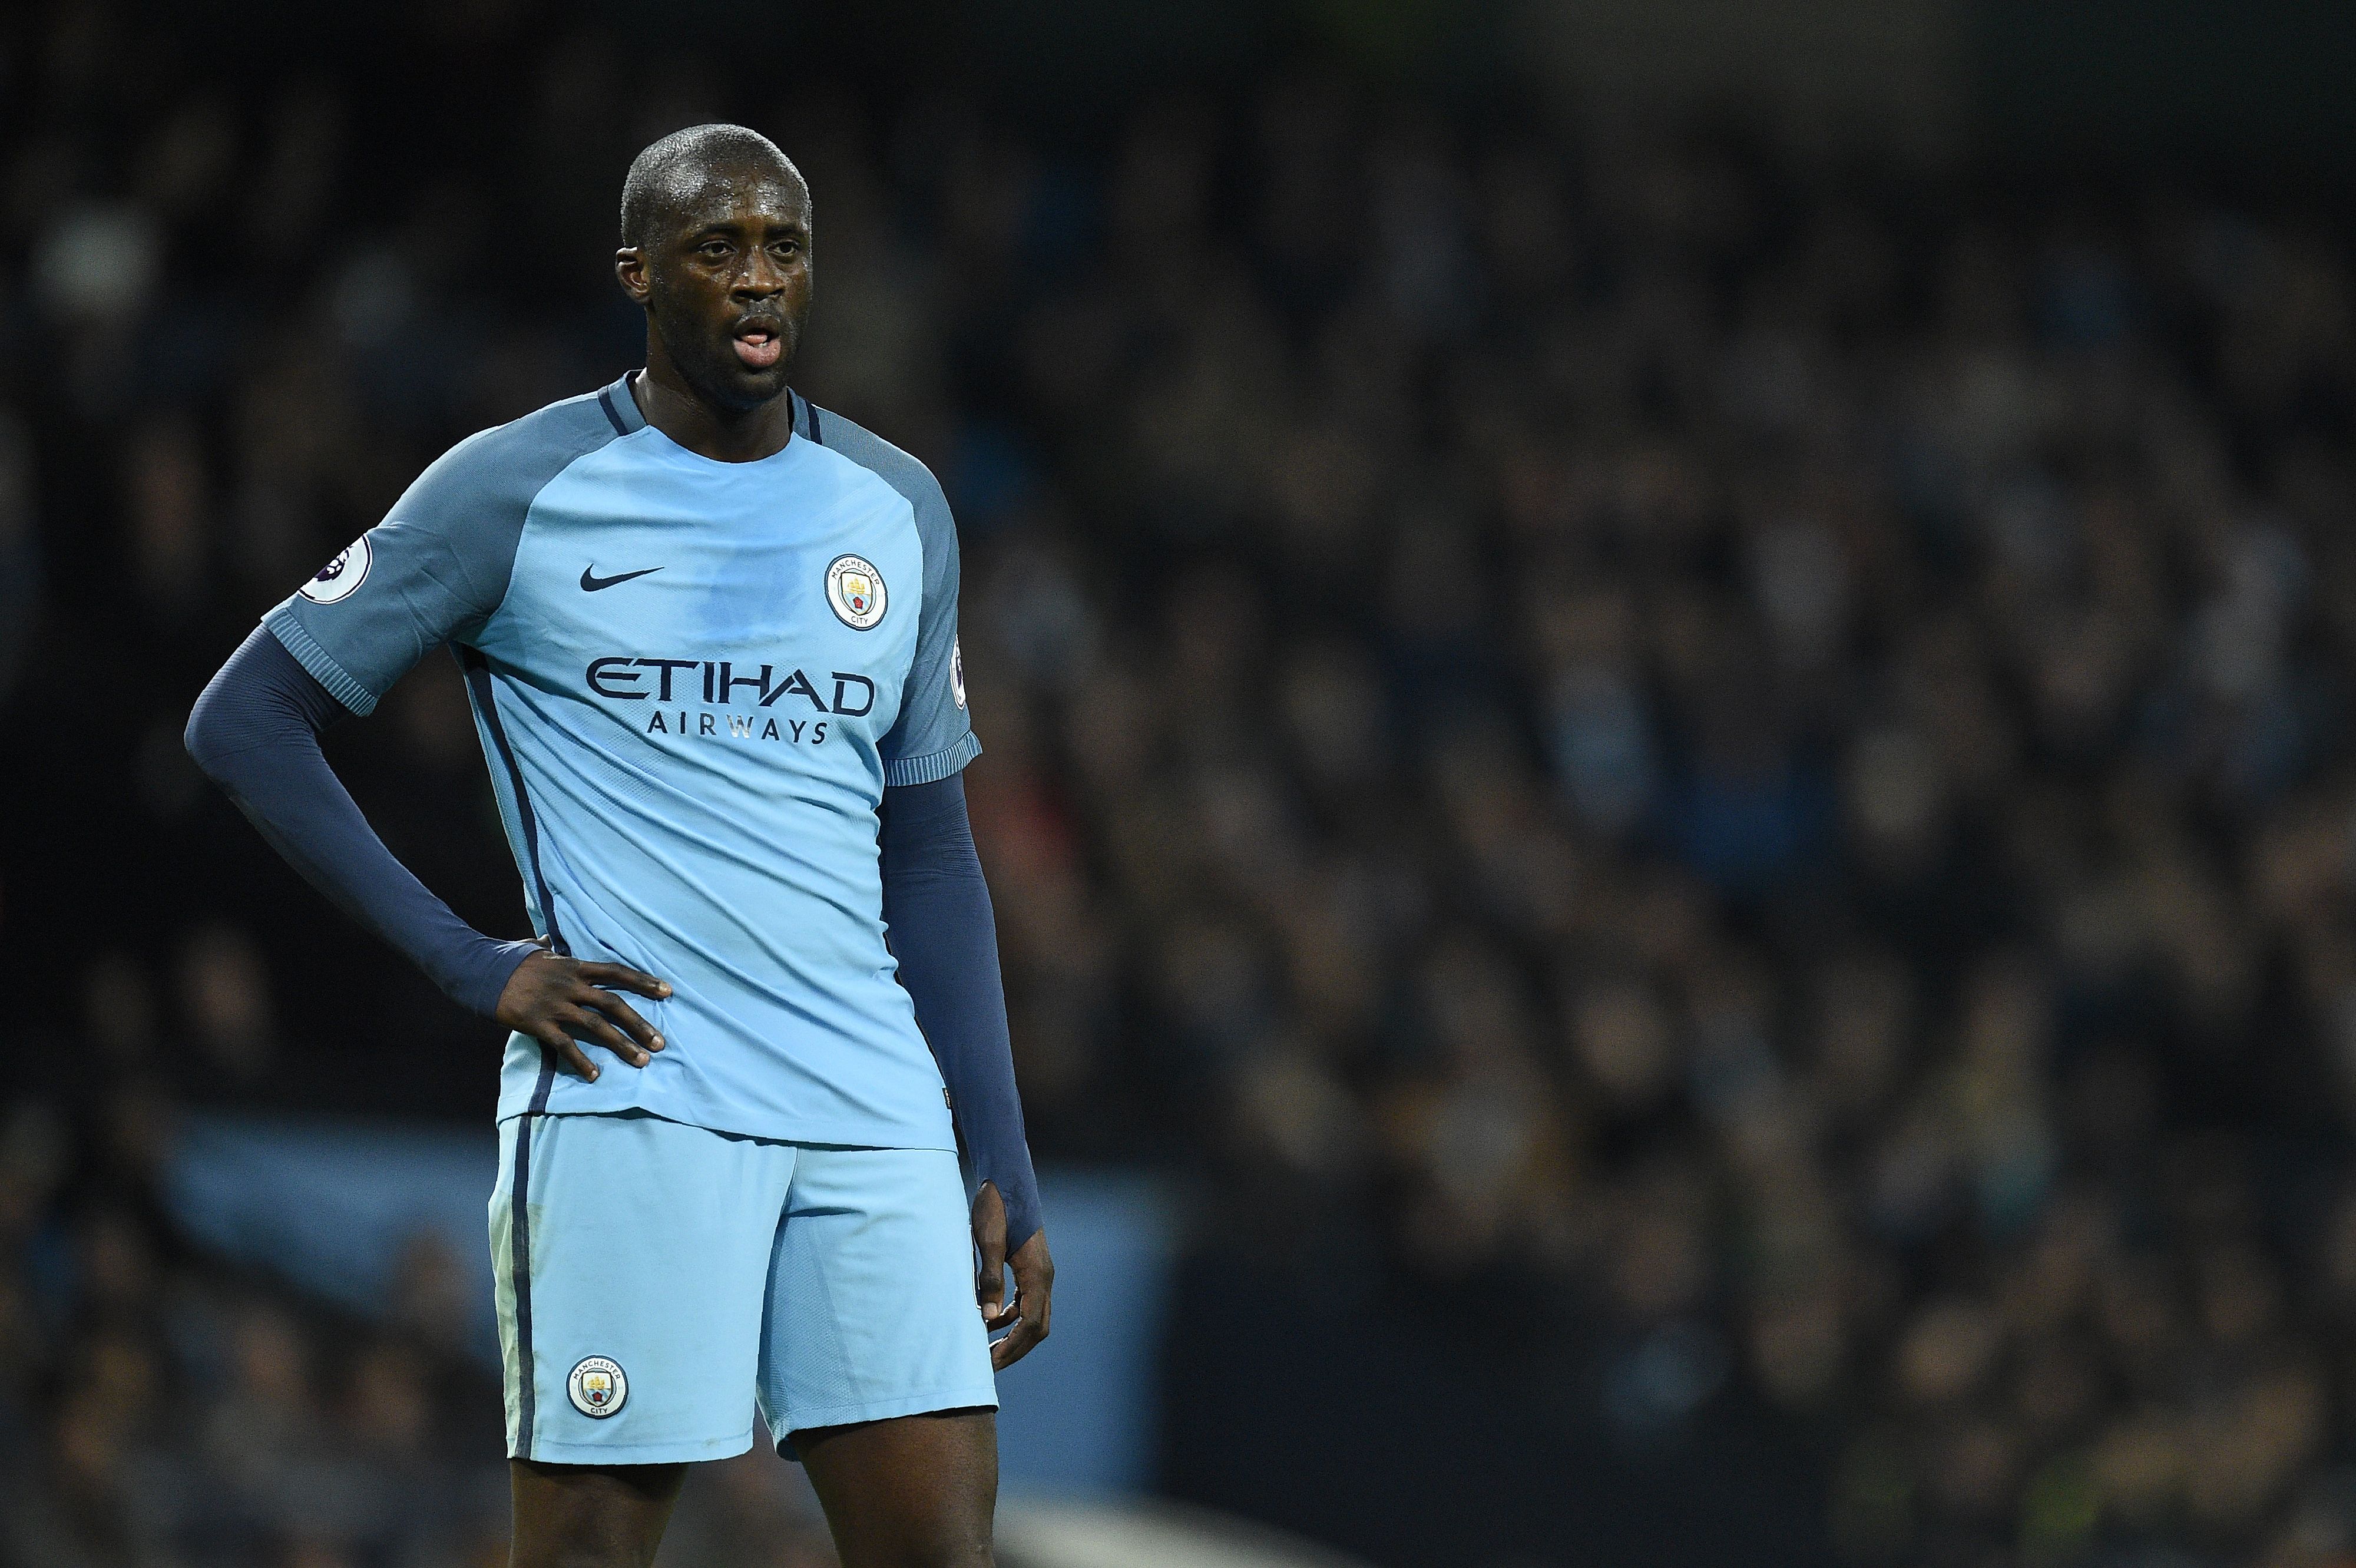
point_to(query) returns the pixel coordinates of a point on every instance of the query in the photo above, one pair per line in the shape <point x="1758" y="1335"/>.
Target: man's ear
<point x="630" y="271"/>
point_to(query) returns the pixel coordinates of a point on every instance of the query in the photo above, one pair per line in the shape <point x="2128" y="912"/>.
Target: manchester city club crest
<point x="337" y="578"/>
<point x="856" y="588"/>
<point x="597" y="1387"/>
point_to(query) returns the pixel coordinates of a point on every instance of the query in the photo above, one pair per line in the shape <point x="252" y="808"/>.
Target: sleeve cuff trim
<point x="285" y="625"/>
<point x="933" y="766"/>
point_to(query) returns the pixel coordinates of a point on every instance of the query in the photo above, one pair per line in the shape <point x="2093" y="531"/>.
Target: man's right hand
<point x="559" y="1002"/>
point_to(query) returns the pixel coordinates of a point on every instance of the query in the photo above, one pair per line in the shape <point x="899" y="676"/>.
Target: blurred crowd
<point x="1759" y="749"/>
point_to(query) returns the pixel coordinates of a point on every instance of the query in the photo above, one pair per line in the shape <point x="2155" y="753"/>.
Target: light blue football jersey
<point x="693" y="680"/>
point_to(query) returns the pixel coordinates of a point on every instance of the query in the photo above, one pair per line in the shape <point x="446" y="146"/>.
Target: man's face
<point x="726" y="281"/>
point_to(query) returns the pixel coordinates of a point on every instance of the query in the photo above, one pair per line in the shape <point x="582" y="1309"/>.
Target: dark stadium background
<point x="1666" y="693"/>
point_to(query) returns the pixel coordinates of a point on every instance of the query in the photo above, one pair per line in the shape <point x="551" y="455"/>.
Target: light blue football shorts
<point x="656" y="1281"/>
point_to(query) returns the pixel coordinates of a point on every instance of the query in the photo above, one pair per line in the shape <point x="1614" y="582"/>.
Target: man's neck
<point x="747" y="437"/>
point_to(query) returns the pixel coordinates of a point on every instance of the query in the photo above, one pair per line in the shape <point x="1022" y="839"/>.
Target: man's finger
<point x="582" y="1023"/>
<point x="1030" y="1324"/>
<point x="989" y="1286"/>
<point x="626" y="977"/>
<point x="1004" y="1353"/>
<point x="622" y="1013"/>
<point x="552" y="1039"/>
<point x="1034" y="1293"/>
<point x="1034" y="1284"/>
<point x="990" y="1247"/>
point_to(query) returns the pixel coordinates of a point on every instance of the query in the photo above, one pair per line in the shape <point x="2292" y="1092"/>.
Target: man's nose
<point x="761" y="276"/>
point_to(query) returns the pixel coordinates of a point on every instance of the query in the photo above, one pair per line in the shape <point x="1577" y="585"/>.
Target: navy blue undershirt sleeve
<point x="255" y="732"/>
<point x="936" y="911"/>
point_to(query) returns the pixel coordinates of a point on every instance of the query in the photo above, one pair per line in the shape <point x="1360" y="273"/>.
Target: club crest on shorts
<point x="337" y="578"/>
<point x="856" y="588"/>
<point x="597" y="1387"/>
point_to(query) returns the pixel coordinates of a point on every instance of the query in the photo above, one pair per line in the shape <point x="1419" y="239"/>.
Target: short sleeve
<point x="933" y="735"/>
<point x="437" y="567"/>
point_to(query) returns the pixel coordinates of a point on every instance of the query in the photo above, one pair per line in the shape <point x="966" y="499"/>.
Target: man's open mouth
<point x="758" y="346"/>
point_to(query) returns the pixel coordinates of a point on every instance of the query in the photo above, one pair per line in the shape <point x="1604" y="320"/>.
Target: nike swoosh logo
<point x="591" y="582"/>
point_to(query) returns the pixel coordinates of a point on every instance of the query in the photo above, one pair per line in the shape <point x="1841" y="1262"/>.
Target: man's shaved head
<point x="716" y="250"/>
<point x="672" y="171"/>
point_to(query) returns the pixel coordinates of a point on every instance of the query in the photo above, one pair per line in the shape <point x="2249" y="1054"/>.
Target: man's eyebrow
<point x="733" y="229"/>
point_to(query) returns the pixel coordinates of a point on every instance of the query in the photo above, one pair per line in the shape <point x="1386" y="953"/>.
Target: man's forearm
<point x="937" y="907"/>
<point x="255" y="732"/>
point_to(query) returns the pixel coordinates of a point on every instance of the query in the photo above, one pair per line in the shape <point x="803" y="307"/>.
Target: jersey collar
<point x="621" y="405"/>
